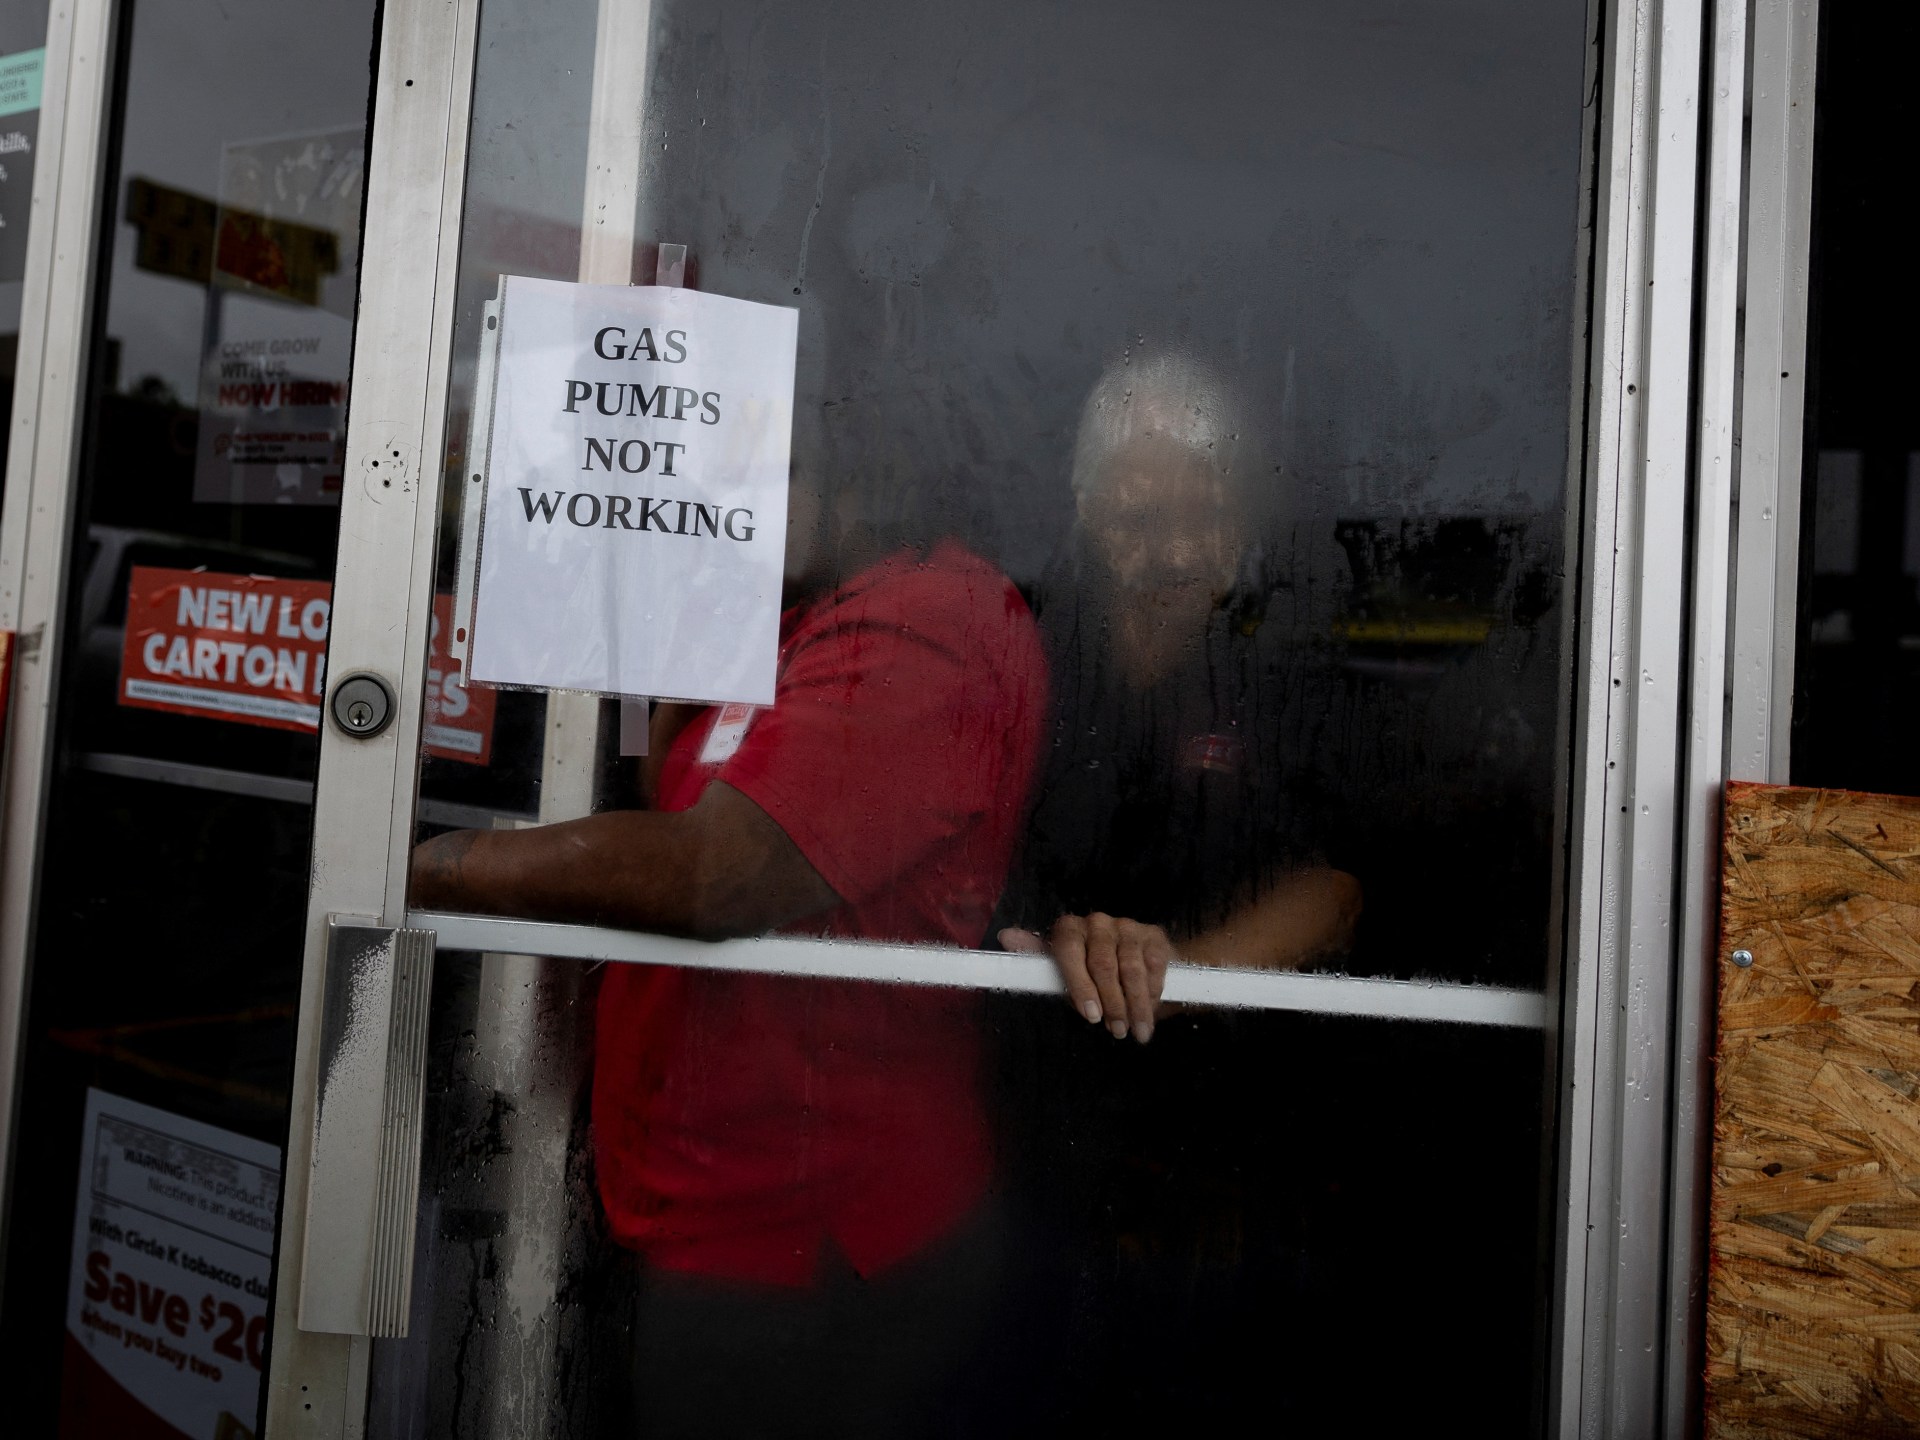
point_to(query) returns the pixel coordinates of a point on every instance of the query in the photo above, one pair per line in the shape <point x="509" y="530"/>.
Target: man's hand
<point x="1114" y="969"/>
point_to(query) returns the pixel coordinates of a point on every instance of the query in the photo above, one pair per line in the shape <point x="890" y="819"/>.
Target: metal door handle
<point x="356" y="1271"/>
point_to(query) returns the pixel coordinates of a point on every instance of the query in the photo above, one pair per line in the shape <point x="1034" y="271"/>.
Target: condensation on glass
<point x="1230" y="348"/>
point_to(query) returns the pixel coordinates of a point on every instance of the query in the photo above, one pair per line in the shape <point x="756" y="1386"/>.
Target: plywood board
<point x="1813" y="1305"/>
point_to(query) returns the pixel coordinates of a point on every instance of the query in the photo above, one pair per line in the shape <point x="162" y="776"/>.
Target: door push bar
<point x="356" y="1263"/>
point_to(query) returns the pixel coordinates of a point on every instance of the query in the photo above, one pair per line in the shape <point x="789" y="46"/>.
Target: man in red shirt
<point x="801" y="1163"/>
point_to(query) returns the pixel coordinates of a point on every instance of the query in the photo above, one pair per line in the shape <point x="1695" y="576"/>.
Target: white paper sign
<point x="636" y="494"/>
<point x="172" y="1255"/>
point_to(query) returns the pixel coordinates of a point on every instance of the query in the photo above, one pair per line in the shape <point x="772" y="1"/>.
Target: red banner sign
<point x="237" y="647"/>
<point x="459" y="721"/>
<point x="253" y="649"/>
<point x="6" y="683"/>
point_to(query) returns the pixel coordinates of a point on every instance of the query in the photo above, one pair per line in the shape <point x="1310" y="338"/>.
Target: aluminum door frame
<point x="1705" y="738"/>
<point x="1772" y="387"/>
<point x="1725" y="584"/>
<point x="1753" y="356"/>
<point x="1607" y="1354"/>
<point x="383" y="598"/>
<point x="43" y="453"/>
<point x="1626" y="734"/>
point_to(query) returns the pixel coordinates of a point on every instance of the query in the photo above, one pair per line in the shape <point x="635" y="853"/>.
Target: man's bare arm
<point x="1304" y="915"/>
<point x="718" y="870"/>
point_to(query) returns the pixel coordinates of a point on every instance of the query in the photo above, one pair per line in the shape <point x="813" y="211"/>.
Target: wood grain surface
<point x="1813" y="1306"/>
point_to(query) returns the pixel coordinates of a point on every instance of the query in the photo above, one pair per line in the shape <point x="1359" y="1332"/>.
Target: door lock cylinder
<point x="362" y="705"/>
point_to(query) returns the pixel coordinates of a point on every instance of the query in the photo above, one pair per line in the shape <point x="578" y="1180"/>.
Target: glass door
<point x="155" y="895"/>
<point x="1122" y="965"/>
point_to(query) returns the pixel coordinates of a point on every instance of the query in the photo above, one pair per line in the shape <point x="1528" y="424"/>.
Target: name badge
<point x="729" y="729"/>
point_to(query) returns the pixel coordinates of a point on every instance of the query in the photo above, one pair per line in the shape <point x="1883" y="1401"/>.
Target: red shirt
<point x="741" y="1121"/>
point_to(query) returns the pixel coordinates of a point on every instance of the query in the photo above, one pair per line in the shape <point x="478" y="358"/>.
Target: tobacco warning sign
<point x="172" y="1259"/>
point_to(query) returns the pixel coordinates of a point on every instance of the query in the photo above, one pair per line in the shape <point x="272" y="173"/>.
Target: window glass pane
<point x="1246" y="363"/>
<point x="174" y="861"/>
<point x="1857" y="651"/>
<point x="1205" y="1229"/>
<point x="1179" y="489"/>
<point x="23" y="33"/>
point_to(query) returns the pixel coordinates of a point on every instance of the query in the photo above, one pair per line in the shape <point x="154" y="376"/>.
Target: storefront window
<point x="1857" y="651"/>
<point x="23" y="57"/>
<point x="1176" y="537"/>
<point x="158" y="1040"/>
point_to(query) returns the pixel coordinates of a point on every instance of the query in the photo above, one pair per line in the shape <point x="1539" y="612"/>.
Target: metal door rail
<point x="1307" y="992"/>
<point x="272" y="787"/>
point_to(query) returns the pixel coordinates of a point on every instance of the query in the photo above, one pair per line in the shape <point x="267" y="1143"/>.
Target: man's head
<point x="1155" y="494"/>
